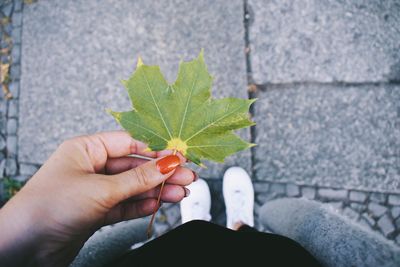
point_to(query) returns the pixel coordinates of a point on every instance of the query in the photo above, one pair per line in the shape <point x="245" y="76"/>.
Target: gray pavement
<point x="326" y="74"/>
<point x="329" y="135"/>
<point x="325" y="41"/>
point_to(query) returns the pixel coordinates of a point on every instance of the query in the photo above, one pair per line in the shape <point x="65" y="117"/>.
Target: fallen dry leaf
<point x="252" y="88"/>
<point x="6" y="92"/>
<point x="4" y="72"/>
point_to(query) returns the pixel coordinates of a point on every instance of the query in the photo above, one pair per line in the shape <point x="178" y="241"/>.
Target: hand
<point x="85" y="184"/>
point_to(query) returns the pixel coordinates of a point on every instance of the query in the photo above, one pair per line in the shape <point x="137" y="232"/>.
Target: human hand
<point x="85" y="184"/>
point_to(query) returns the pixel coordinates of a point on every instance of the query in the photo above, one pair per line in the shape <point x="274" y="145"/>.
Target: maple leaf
<point x="182" y="116"/>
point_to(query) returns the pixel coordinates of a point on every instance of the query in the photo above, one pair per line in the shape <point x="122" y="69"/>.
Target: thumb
<point x="146" y="176"/>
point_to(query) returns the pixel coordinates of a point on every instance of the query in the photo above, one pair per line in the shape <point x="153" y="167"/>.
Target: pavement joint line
<point x="30" y="163"/>
<point x="275" y="86"/>
<point x="317" y="187"/>
<point x="251" y="95"/>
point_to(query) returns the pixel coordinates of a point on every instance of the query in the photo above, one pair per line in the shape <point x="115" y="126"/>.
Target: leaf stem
<point x="150" y="226"/>
<point x="146" y="158"/>
<point x="139" y="157"/>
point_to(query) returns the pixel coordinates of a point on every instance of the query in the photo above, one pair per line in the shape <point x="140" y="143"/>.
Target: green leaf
<point x="183" y="116"/>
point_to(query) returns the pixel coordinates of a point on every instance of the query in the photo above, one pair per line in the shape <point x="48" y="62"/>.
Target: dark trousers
<point x="200" y="243"/>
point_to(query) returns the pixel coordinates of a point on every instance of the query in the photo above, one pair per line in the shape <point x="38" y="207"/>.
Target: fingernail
<point x="195" y="175"/>
<point x="168" y="163"/>
<point x="187" y="192"/>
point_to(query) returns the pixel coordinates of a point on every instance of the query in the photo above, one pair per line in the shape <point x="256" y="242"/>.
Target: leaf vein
<point x="212" y="123"/>
<point x="155" y="103"/>
<point x="213" y="146"/>
<point x="187" y="104"/>
<point x="150" y="131"/>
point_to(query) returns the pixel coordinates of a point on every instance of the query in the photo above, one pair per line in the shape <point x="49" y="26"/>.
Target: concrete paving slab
<point x="327" y="135"/>
<point x="74" y="53"/>
<point x="332" y="40"/>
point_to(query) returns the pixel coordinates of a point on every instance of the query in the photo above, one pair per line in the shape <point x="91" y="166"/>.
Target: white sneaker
<point x="239" y="197"/>
<point x="197" y="205"/>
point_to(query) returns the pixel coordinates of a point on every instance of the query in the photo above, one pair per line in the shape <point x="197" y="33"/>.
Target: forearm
<point x="28" y="226"/>
<point x="19" y="234"/>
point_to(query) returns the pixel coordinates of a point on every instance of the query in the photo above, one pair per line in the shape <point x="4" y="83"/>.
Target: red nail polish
<point x="168" y="163"/>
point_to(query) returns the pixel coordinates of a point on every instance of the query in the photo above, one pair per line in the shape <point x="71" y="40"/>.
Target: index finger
<point x="119" y="143"/>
